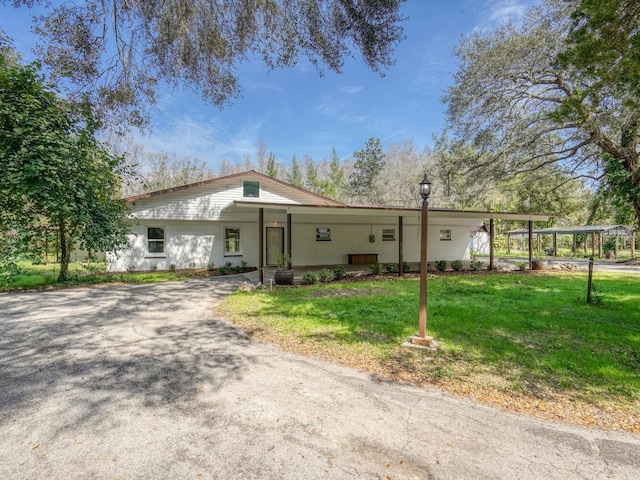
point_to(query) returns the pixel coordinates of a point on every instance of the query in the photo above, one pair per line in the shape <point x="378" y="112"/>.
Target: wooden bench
<point x="362" y="258"/>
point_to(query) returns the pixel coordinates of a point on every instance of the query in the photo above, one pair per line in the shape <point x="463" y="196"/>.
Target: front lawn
<point x="526" y="342"/>
<point x="40" y="276"/>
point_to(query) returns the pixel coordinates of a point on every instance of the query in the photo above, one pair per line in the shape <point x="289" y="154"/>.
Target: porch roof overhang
<point x="352" y="210"/>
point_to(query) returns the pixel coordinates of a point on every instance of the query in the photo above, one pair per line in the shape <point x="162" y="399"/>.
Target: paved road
<point x="131" y="382"/>
<point x="582" y="263"/>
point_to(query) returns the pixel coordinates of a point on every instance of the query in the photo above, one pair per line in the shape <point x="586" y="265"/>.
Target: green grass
<point x="38" y="276"/>
<point x="531" y="333"/>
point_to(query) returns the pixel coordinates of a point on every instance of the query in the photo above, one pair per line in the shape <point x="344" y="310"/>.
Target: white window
<point x="232" y="241"/>
<point x="388" y="234"/>
<point x="445" y="235"/>
<point x="250" y="189"/>
<point x="155" y="240"/>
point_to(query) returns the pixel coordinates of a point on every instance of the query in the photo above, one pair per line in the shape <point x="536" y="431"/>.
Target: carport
<point x="594" y="235"/>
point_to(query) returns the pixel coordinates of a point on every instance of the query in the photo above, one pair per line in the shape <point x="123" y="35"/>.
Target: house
<point x="250" y="217"/>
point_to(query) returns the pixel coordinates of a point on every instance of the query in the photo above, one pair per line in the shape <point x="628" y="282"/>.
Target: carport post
<point x="261" y="245"/>
<point x="289" y="239"/>
<point x="491" y="235"/>
<point x="400" y="248"/>
<point x="530" y="244"/>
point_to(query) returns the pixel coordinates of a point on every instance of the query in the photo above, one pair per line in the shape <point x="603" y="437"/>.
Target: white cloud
<point x="349" y="118"/>
<point x="208" y="140"/>
<point x="498" y="12"/>
<point x="351" y="89"/>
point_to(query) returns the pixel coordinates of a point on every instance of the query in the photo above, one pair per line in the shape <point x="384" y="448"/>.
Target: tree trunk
<point x="65" y="253"/>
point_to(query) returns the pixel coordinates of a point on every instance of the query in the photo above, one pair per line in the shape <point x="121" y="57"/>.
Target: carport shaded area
<point x="593" y="237"/>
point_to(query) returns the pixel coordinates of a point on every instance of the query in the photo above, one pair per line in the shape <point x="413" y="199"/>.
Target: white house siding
<point x="479" y="243"/>
<point x="200" y="243"/>
<point x="187" y="244"/>
<point x="207" y="201"/>
<point x="353" y="238"/>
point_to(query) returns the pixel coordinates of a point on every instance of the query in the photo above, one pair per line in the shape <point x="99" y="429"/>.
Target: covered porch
<point x="314" y="235"/>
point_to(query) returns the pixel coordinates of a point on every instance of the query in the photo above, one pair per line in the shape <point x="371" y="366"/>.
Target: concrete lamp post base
<point x="425" y="343"/>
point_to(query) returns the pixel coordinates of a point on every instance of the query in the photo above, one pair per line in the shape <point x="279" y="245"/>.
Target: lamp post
<point x="422" y="338"/>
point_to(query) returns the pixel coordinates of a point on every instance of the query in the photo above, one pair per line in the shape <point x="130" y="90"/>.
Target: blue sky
<point x="296" y="111"/>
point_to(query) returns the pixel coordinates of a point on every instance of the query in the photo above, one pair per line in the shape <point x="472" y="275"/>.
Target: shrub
<point x="309" y="278"/>
<point x="521" y="264"/>
<point x="8" y="271"/>
<point x="338" y="271"/>
<point x="223" y="270"/>
<point x="391" y="268"/>
<point x="375" y="268"/>
<point x="456" y="265"/>
<point x="131" y="268"/>
<point x="476" y="265"/>
<point x="406" y="268"/>
<point x="192" y="265"/>
<point x="153" y="267"/>
<point x="95" y="268"/>
<point x="172" y="267"/>
<point x="211" y="266"/>
<point x="441" y="265"/>
<point x="325" y="275"/>
<point x="243" y="265"/>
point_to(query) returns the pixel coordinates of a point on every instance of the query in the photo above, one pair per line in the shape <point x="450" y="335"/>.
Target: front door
<point x="275" y="244"/>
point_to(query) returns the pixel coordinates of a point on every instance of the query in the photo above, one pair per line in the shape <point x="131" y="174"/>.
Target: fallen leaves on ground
<point x="550" y="405"/>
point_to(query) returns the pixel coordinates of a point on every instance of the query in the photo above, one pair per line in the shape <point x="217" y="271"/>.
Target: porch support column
<point x="261" y="245"/>
<point x="633" y="244"/>
<point x="600" y="245"/>
<point x="530" y="244"/>
<point x="555" y="244"/>
<point x="289" y="238"/>
<point x="508" y="243"/>
<point x="491" y="238"/>
<point x="400" y="248"/>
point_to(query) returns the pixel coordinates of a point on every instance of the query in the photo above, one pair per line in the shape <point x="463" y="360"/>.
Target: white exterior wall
<point x="206" y="202"/>
<point x="187" y="244"/>
<point x="354" y="238"/>
<point x="200" y="243"/>
<point x="479" y="243"/>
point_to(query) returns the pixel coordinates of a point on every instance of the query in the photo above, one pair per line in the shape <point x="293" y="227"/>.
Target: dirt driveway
<point x="127" y="382"/>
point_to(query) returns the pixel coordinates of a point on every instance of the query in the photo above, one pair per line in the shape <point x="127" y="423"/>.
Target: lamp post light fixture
<point x="422" y="339"/>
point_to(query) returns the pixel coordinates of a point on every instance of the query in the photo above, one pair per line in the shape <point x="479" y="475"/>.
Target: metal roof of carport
<point x="609" y="230"/>
<point x="295" y="208"/>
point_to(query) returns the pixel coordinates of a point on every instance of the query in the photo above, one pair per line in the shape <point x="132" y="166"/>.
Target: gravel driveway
<point x="127" y="382"/>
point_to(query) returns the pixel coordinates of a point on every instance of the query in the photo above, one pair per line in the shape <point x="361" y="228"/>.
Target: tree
<point x="337" y="184"/>
<point x="119" y="51"/>
<point x="525" y="103"/>
<point x="262" y="156"/>
<point x="403" y="170"/>
<point x="365" y="181"/>
<point x="272" y="167"/>
<point x="54" y="174"/>
<point x="604" y="46"/>
<point x="294" y="175"/>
